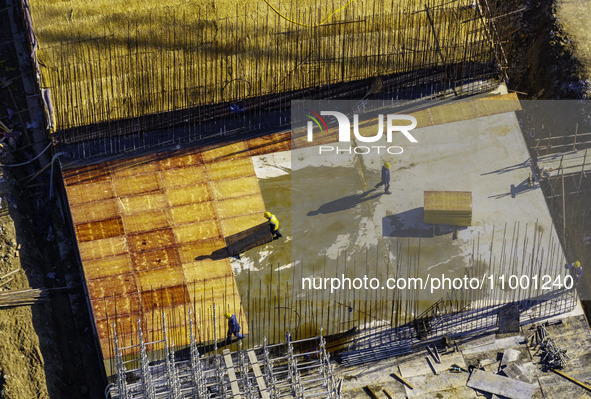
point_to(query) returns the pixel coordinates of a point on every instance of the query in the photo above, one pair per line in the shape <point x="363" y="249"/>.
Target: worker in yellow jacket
<point x="273" y="225"/>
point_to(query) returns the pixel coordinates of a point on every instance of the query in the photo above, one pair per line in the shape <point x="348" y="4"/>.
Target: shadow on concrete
<point x="410" y="224"/>
<point x="348" y="202"/>
<point x="521" y="188"/>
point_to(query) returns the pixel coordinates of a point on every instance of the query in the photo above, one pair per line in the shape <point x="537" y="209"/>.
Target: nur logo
<point x="345" y="131"/>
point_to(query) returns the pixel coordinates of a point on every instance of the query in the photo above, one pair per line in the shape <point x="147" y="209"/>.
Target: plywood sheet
<point x="197" y="232"/>
<point x="179" y="159"/>
<point x="156" y="259"/>
<point x="90" y="192"/>
<point x="240" y="206"/>
<point x="125" y="304"/>
<point x="146" y="221"/>
<point x="112" y="285"/>
<point x="138" y="184"/>
<point x="86" y="174"/>
<point x="272" y="143"/>
<point x="104" y="248"/>
<point x="99" y="210"/>
<point x="223" y="152"/>
<point x="142" y="203"/>
<point x="234" y="225"/>
<point x="192" y="213"/>
<point x="151" y="240"/>
<point x="230" y="169"/>
<point x="104" y="267"/>
<point x="204" y="270"/>
<point x="160" y="278"/>
<point x="188" y="194"/>
<point x="224" y="189"/>
<point x="166" y="297"/>
<point x="99" y="230"/>
<point x="208" y="249"/>
<point x="133" y="166"/>
<point x="187" y="176"/>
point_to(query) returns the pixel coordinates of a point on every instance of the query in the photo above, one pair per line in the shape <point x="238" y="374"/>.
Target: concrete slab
<point x="497" y="344"/>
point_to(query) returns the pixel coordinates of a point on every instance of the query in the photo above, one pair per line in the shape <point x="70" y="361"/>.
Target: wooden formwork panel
<point x="300" y="138"/>
<point x="237" y="224"/>
<point x="111" y="285"/>
<point x="223" y="152"/>
<point x="165" y="297"/>
<point x="188" y="194"/>
<point x="99" y="210"/>
<point x="99" y="230"/>
<point x="142" y="203"/>
<point x="192" y="212"/>
<point x="273" y="143"/>
<point x="187" y="176"/>
<point x="146" y="221"/>
<point x="86" y="174"/>
<point x="116" y="305"/>
<point x="204" y="270"/>
<point x="156" y="259"/>
<point x="130" y="185"/>
<point x="207" y="249"/>
<point x="104" y="267"/>
<point x="160" y="278"/>
<point x="133" y="166"/>
<point x="223" y="189"/>
<point x="197" y="232"/>
<point x="240" y="206"/>
<point x="179" y="159"/>
<point x="230" y="169"/>
<point x="90" y="192"/>
<point x="151" y="240"/>
<point x="104" y="248"/>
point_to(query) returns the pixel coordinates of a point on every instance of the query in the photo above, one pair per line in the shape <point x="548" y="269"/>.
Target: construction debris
<point x="499" y="385"/>
<point x="568" y="377"/>
<point x="552" y="355"/>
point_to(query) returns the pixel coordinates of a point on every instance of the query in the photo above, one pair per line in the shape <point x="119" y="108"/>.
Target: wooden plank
<point x="499" y="385"/>
<point x="231" y="373"/>
<point x="258" y="375"/>
<point x="248" y="239"/>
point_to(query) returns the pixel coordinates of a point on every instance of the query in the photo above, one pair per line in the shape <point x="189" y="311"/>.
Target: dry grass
<point x="111" y="59"/>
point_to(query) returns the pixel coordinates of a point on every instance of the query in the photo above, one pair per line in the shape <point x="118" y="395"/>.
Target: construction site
<point x="195" y="203"/>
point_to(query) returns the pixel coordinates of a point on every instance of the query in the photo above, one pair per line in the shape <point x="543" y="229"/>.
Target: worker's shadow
<point x="218" y="254"/>
<point x="410" y="224"/>
<point x="348" y="202"/>
<point x="521" y="188"/>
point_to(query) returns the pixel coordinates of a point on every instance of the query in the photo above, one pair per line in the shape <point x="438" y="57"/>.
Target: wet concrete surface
<point x="335" y="222"/>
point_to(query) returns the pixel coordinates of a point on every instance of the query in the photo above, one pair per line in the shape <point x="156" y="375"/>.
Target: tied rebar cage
<point x="295" y="369"/>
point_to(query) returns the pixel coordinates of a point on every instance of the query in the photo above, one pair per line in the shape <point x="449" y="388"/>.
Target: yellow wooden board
<point x="196" y="212"/>
<point x="240" y="206"/>
<point x="188" y="176"/>
<point x="233" y="225"/>
<point x="137" y="184"/>
<point x="230" y="188"/>
<point x="230" y="169"/>
<point x="82" y="193"/>
<point x="188" y="194"/>
<point x="146" y="221"/>
<point x="142" y="203"/>
<point x="90" y="212"/>
<point x="104" y="248"/>
<point x="196" y="231"/>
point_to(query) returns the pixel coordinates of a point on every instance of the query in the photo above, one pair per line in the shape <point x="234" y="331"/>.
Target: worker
<point x="233" y="327"/>
<point x="273" y="225"/>
<point x="385" y="177"/>
<point x="576" y="271"/>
